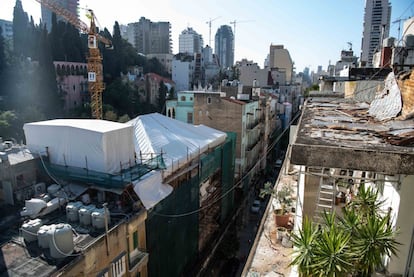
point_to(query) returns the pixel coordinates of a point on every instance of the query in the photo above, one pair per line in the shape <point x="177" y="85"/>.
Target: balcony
<point x="251" y="125"/>
<point x="136" y="259"/>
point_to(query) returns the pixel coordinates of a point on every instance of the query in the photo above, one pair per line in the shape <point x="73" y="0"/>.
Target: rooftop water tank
<point x="30" y="228"/>
<point x="33" y="207"/>
<point x="98" y="218"/>
<point x="72" y="211"/>
<point x="85" y="218"/>
<point x="43" y="235"/>
<point x="61" y="241"/>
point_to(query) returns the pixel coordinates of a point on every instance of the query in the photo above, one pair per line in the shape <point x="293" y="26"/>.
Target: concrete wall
<point x="407" y="94"/>
<point x="97" y="259"/>
<point x="405" y="223"/>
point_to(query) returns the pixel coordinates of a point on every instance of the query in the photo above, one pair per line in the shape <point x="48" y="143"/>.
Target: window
<point x="135" y="240"/>
<point x="182" y="98"/>
<point x="209" y="100"/>
<point x="189" y="117"/>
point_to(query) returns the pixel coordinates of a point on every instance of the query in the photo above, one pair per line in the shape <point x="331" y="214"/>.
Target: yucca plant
<point x="332" y="255"/>
<point x="304" y="246"/>
<point x="374" y="239"/>
<point x="351" y="245"/>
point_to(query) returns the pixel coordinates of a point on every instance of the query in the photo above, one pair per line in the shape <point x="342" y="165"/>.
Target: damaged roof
<point x="344" y="133"/>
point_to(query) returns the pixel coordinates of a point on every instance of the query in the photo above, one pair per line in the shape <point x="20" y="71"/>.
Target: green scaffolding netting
<point x="173" y="224"/>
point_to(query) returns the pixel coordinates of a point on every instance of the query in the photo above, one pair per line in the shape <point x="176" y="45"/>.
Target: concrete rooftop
<point x="340" y="133"/>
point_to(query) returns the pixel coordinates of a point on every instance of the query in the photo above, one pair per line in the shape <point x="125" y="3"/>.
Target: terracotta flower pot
<point x="282" y="220"/>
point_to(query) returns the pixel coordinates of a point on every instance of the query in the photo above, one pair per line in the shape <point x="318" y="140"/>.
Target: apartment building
<point x="376" y="27"/>
<point x="150" y="37"/>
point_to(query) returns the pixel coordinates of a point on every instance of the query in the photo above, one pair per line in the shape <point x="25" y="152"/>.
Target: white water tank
<point x="72" y="211"/>
<point x="98" y="218"/>
<point x="43" y="235"/>
<point x="53" y="189"/>
<point x="85" y="218"/>
<point x="61" y="241"/>
<point x="30" y="228"/>
<point x="33" y="207"/>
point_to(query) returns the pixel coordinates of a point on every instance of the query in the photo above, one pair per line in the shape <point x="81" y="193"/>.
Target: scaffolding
<point x="130" y="172"/>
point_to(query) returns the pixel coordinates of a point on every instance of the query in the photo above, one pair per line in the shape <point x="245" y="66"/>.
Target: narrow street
<point x="246" y="225"/>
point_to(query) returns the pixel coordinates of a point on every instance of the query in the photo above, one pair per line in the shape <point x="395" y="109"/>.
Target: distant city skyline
<point x="314" y="32"/>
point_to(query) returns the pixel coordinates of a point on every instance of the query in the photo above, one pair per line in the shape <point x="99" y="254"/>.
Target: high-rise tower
<point x="70" y="5"/>
<point x="150" y="37"/>
<point x="376" y="27"/>
<point x="224" y="46"/>
<point x="190" y="42"/>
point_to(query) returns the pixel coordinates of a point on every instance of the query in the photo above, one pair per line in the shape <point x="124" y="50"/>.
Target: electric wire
<point x="270" y="148"/>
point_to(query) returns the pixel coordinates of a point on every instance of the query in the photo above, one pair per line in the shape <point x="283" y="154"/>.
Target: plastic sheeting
<point x="98" y="145"/>
<point x="151" y="190"/>
<point x="179" y="142"/>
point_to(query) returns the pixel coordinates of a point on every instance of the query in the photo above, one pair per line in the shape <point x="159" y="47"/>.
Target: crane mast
<point x="95" y="70"/>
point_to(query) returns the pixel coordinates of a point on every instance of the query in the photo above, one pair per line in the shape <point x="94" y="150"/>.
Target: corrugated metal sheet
<point x="387" y="104"/>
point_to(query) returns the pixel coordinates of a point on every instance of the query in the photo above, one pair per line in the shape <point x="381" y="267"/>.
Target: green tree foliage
<point x="153" y="65"/>
<point x="7" y="120"/>
<point x="33" y="37"/>
<point x="20" y="31"/>
<point x="162" y="95"/>
<point x="56" y="43"/>
<point x="122" y="98"/>
<point x="2" y="53"/>
<point x="46" y="94"/>
<point x="351" y="245"/>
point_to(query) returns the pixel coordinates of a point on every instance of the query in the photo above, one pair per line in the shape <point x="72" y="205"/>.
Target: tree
<point x="2" y="53"/>
<point x="47" y="98"/>
<point x="162" y="95"/>
<point x="20" y="23"/>
<point x="7" y="120"/>
<point x="352" y="244"/>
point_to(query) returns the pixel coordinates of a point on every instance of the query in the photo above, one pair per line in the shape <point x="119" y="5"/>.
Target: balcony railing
<point x="136" y="258"/>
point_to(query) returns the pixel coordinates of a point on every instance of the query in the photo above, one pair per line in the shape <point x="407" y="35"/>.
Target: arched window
<point x="58" y="70"/>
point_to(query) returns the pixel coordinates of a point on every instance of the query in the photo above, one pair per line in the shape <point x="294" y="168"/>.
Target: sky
<point x="314" y="31"/>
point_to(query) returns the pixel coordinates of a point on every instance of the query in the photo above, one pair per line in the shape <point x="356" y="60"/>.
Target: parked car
<point x="255" y="206"/>
<point x="279" y="163"/>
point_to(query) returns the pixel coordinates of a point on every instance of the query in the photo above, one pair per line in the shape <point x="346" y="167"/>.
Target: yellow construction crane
<point x="95" y="73"/>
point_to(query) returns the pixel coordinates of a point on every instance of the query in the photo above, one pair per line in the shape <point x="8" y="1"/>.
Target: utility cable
<point x="237" y="183"/>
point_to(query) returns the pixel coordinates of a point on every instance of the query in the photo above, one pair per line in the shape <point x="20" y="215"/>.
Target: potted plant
<point x="282" y="202"/>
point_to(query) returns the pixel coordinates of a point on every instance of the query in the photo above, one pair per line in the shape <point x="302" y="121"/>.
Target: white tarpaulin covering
<point x="151" y="190"/>
<point x="178" y="141"/>
<point x="98" y="145"/>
